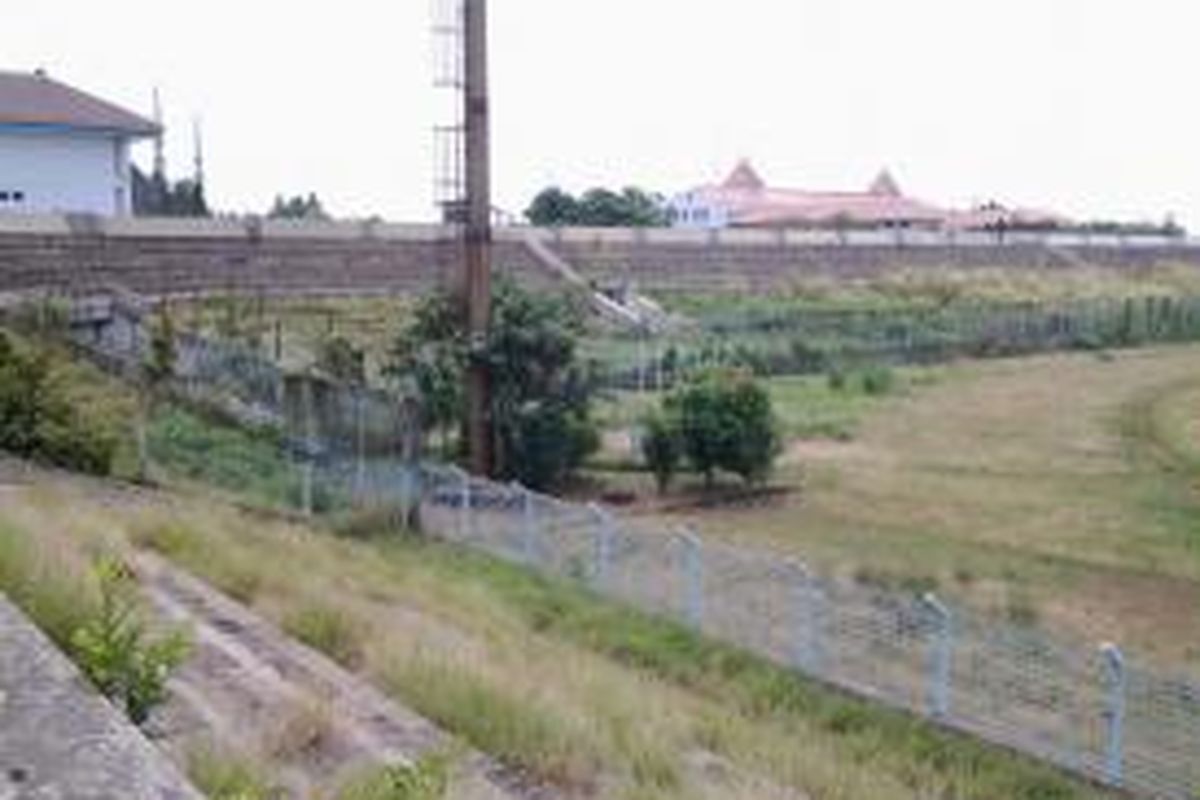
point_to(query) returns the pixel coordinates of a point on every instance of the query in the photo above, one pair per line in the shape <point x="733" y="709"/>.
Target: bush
<point x="38" y="421"/>
<point x="878" y="379"/>
<point x="725" y="422"/>
<point x="112" y="649"/>
<point x="662" y="448"/>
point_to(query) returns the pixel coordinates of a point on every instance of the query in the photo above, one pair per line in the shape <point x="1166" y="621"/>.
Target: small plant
<point x="662" y="449"/>
<point x="113" y="651"/>
<point x="427" y="779"/>
<point x="839" y="379"/>
<point x="878" y="380"/>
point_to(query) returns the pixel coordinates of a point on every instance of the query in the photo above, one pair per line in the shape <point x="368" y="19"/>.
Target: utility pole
<point x="477" y="235"/>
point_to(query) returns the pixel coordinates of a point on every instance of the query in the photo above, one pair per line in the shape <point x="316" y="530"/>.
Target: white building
<point x="62" y="150"/>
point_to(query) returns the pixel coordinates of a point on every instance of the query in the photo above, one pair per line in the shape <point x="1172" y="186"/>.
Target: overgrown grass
<point x="751" y="686"/>
<point x="51" y="586"/>
<point x="489" y="718"/>
<point x="578" y="691"/>
<point x="224" y="775"/>
<point x="334" y="631"/>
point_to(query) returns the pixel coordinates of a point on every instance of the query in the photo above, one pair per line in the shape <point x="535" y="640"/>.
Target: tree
<point x="598" y="207"/>
<point x="553" y="207"/>
<point x="540" y="393"/>
<point x="298" y="207"/>
<point x="725" y="422"/>
<point x="341" y="360"/>
<point x="156" y="196"/>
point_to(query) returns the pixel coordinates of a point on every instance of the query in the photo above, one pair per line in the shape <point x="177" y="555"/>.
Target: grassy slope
<point x="1029" y="487"/>
<point x="594" y="698"/>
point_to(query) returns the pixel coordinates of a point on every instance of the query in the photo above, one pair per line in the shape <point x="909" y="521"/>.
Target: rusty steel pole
<point x="477" y="237"/>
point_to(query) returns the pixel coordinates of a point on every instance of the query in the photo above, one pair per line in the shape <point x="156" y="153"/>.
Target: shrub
<point x="38" y="421"/>
<point x="726" y="422"/>
<point x="838" y="378"/>
<point x="878" y="379"/>
<point x="113" y="651"/>
<point x="662" y="448"/>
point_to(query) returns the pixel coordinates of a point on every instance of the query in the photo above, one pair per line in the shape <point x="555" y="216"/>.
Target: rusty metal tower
<point x="462" y="191"/>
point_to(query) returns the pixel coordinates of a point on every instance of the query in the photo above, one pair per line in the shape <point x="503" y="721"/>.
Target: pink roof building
<point x="744" y="199"/>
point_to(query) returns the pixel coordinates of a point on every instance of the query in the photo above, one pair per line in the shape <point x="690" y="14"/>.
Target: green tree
<point x="540" y="392"/>
<point x="599" y="207"/>
<point x="552" y="207"/>
<point x="725" y="422"/>
<point x="338" y="358"/>
<point x="156" y="196"/>
<point x="298" y="207"/>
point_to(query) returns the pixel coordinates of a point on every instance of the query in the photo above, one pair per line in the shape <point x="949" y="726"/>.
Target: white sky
<point x="1085" y="106"/>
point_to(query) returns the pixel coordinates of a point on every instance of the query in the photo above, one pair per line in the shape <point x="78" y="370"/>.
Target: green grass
<point x="749" y="685"/>
<point x="428" y="779"/>
<point x="195" y="447"/>
<point x="810" y="408"/>
<point x="491" y="720"/>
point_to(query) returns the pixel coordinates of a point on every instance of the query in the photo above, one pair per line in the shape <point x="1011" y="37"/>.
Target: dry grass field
<point x="1057" y="490"/>
<point x="589" y="700"/>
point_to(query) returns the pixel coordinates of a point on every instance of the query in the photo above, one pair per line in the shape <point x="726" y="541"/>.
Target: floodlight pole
<point x="477" y="233"/>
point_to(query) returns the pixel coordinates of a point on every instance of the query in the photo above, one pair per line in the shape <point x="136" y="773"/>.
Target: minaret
<point x="160" y="158"/>
<point x="198" y="148"/>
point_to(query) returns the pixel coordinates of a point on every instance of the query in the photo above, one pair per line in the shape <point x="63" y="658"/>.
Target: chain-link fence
<point x="1085" y="710"/>
<point x="787" y="338"/>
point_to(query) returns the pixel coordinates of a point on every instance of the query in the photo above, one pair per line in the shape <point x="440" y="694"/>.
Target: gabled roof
<point x="744" y="178"/>
<point x="885" y="184"/>
<point x="34" y="99"/>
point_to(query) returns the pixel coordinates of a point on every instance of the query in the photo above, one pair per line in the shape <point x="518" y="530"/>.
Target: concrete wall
<point x="166" y="256"/>
<point x="62" y="171"/>
<point x="59" y="739"/>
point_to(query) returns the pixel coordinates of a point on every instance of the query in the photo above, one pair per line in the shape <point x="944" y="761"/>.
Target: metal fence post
<point x="941" y="657"/>
<point x="360" y="445"/>
<point x="464" y="502"/>
<point x="602" y="544"/>
<point x="1116" y="680"/>
<point x="693" y="585"/>
<point x="808" y="600"/>
<point x="310" y="446"/>
<point x="529" y="532"/>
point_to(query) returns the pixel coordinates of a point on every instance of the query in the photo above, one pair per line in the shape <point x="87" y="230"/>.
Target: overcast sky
<point x="1089" y="107"/>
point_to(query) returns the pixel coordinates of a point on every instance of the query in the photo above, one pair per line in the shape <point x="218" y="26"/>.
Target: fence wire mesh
<point x="1079" y="708"/>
